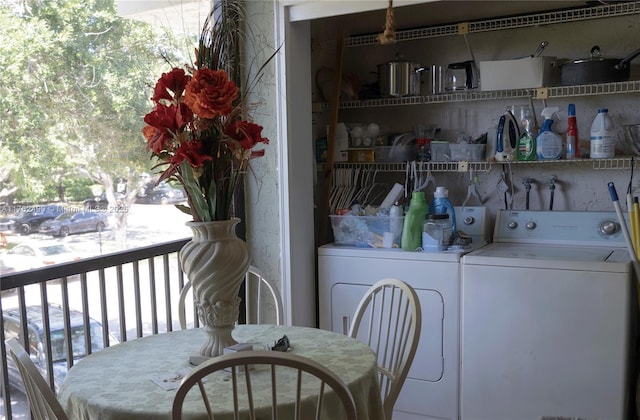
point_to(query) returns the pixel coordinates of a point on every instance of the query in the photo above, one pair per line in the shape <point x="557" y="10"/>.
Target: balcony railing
<point x="130" y="294"/>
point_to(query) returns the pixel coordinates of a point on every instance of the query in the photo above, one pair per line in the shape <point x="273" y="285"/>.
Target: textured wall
<point x="263" y="220"/>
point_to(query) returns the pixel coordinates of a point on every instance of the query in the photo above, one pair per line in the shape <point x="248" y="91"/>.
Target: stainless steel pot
<point x="596" y="69"/>
<point x="399" y="78"/>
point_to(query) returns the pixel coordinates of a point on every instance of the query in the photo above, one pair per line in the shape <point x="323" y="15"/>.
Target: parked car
<point x="5" y="267"/>
<point x="29" y="218"/>
<point x="101" y="203"/>
<point x="78" y="222"/>
<point x="37" y="346"/>
<point x="162" y="194"/>
<point x="27" y="256"/>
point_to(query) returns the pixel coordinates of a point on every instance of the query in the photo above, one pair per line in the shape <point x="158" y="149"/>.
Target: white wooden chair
<point x="245" y="367"/>
<point x="42" y="401"/>
<point x="257" y="285"/>
<point x="389" y="319"/>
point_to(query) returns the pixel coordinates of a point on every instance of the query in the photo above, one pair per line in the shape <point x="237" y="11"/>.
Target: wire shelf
<point x="496" y="24"/>
<point x="620" y="162"/>
<point x="471" y="96"/>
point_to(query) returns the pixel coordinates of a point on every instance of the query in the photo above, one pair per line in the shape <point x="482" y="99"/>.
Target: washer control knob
<point x="531" y="225"/>
<point x="608" y="227"/>
<point x="469" y="220"/>
<point x="512" y="224"/>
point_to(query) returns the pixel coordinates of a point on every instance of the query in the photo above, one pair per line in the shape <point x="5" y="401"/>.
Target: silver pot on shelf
<point x="400" y="78"/>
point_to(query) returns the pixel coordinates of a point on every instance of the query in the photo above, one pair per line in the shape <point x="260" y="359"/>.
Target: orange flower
<point x="210" y="93"/>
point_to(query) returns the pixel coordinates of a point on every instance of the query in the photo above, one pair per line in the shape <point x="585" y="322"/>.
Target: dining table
<point x="137" y="379"/>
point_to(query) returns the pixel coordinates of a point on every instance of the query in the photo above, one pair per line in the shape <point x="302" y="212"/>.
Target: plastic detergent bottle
<point x="442" y="205"/>
<point x="548" y="142"/>
<point x="573" y="145"/>
<point x="413" y="221"/>
<point x="603" y="136"/>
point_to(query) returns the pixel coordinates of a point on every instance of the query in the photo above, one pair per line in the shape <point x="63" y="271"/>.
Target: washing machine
<point x="548" y="325"/>
<point x="346" y="273"/>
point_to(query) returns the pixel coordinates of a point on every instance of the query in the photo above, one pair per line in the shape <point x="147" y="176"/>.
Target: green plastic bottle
<point x="413" y="221"/>
<point x="526" y="149"/>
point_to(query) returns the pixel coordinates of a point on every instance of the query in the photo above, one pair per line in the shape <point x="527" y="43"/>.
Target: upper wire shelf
<point x="495" y="24"/>
<point x="472" y="95"/>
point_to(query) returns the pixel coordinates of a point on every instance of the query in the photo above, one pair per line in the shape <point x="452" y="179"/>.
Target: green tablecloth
<point x="118" y="382"/>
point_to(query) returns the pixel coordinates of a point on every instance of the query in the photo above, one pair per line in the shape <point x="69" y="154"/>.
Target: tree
<point x="75" y="85"/>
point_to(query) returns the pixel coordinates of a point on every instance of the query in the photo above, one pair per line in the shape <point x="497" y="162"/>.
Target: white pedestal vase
<point x="215" y="261"/>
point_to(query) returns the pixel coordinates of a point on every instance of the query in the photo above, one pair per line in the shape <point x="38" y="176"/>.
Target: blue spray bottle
<point x="548" y="142"/>
<point x="442" y="205"/>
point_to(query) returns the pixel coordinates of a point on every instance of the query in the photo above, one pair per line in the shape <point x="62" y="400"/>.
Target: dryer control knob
<point x="512" y="225"/>
<point x="469" y="220"/>
<point x="531" y="225"/>
<point x="608" y="227"/>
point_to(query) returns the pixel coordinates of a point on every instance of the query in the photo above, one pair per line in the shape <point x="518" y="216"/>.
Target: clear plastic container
<point x="436" y="232"/>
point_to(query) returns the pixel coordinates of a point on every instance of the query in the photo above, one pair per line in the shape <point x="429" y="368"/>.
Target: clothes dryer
<point x="346" y="273"/>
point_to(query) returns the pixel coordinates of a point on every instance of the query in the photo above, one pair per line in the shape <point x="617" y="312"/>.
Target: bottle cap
<point x="572" y="110"/>
<point x="441" y="192"/>
<point x="603" y="110"/>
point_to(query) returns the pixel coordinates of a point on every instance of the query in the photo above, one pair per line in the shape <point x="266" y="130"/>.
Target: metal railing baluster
<point x="121" y="310"/>
<point x="154" y="299"/>
<point x="136" y="291"/>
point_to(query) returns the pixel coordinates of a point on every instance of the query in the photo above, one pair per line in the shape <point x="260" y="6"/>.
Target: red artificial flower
<point x="247" y="135"/>
<point x="192" y="152"/>
<point x="167" y="121"/>
<point x="210" y="93"/>
<point x="171" y="85"/>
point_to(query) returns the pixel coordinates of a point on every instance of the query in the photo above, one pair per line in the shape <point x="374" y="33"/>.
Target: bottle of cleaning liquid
<point x="442" y="205"/>
<point x="573" y="145"/>
<point x="413" y="221"/>
<point x="603" y="136"/>
<point x="526" y="149"/>
<point x="548" y="142"/>
<point x="395" y="214"/>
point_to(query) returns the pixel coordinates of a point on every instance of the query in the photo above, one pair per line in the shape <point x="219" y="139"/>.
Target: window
<point x="76" y="84"/>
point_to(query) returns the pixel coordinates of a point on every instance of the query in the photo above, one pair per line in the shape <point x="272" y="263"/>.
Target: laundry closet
<point x="432" y="36"/>
<point x="439" y="34"/>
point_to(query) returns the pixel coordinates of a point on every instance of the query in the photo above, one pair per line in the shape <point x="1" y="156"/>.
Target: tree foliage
<point x="75" y="84"/>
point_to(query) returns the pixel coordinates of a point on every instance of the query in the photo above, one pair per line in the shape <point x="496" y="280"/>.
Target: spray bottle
<point x="573" y="145"/>
<point x="548" y="142"/>
<point x="526" y="150"/>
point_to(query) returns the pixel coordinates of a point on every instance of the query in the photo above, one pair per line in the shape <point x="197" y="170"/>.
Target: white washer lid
<point x="545" y="256"/>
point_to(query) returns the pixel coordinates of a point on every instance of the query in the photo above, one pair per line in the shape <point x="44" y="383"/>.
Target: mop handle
<point x="623" y="224"/>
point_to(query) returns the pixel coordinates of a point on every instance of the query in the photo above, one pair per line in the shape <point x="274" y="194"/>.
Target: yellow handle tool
<point x="635" y="224"/>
